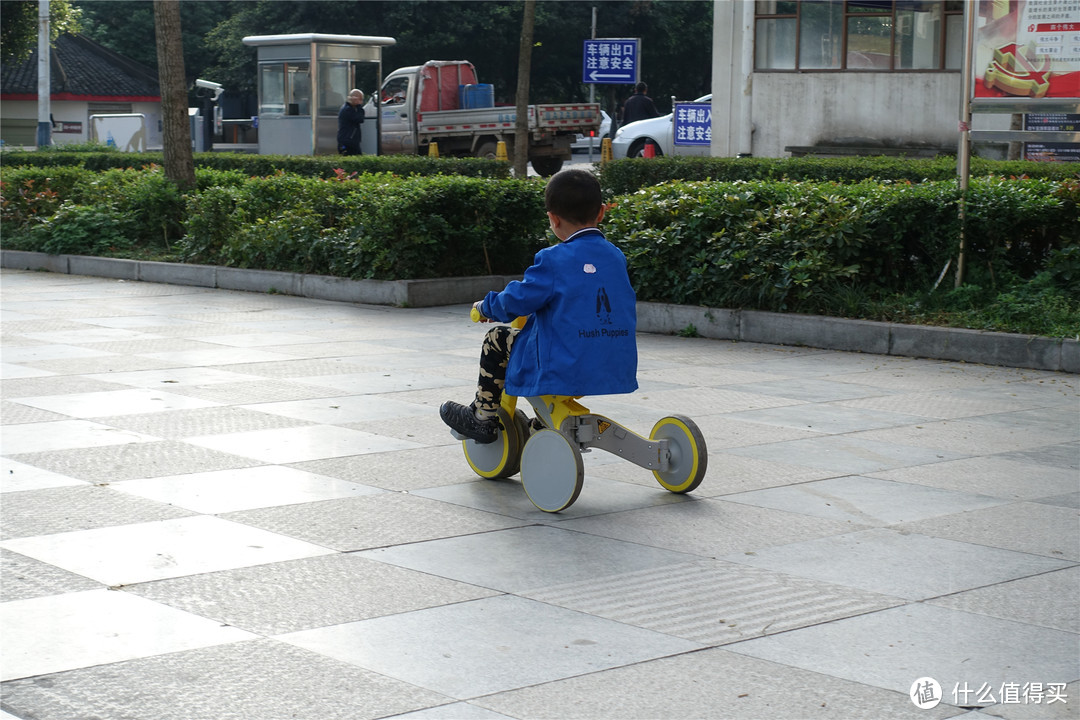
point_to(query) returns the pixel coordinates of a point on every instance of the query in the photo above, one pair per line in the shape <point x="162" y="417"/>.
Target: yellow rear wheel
<point x="688" y="457"/>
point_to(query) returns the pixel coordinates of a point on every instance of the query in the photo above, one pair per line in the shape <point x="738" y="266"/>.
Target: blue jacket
<point x="580" y="337"/>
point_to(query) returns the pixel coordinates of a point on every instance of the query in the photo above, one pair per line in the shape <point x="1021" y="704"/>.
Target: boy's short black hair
<point x="575" y="195"/>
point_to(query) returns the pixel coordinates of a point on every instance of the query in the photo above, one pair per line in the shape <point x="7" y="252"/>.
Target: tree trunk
<point x="175" y="125"/>
<point x="521" y="129"/>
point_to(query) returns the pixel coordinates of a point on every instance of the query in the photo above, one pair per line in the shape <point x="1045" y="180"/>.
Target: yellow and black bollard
<point x="433" y="150"/>
<point x="500" y="151"/>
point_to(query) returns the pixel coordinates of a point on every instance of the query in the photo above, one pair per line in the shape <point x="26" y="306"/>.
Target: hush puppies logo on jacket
<point x="603" y="316"/>
<point x="603" y="307"/>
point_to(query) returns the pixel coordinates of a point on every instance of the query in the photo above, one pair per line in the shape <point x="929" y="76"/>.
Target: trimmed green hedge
<point x="324" y="166"/>
<point x="371" y="227"/>
<point x="872" y="249"/>
<point x="799" y="246"/>
<point x="626" y="176"/>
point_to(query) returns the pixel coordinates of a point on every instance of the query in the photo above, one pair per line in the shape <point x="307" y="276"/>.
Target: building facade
<point x="856" y="75"/>
<point x="86" y="79"/>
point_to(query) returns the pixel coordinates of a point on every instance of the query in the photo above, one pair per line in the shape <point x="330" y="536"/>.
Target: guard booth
<point x="303" y="81"/>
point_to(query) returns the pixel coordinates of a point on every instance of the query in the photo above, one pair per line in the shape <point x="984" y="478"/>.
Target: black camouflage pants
<point x="494" y="357"/>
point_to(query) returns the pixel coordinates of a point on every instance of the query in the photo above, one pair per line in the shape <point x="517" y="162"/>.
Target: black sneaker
<point x="462" y="419"/>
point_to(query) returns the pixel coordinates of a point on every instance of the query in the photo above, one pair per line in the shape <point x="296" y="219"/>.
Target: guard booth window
<point x="285" y="88"/>
<point x="334" y="85"/>
<point x="858" y="35"/>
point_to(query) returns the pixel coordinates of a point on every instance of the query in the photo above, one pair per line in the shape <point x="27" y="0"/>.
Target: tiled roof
<point x="81" y="67"/>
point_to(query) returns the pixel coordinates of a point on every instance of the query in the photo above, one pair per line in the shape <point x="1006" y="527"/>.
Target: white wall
<point x="78" y="111"/>
<point x="823" y="108"/>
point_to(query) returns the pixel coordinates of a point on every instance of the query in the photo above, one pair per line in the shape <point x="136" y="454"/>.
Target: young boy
<point x="580" y="335"/>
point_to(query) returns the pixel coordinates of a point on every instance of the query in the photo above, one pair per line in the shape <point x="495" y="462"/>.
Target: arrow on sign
<point x="618" y="76"/>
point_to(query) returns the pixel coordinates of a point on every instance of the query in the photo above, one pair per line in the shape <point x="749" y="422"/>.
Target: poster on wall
<point x="1052" y="122"/>
<point x="1027" y="49"/>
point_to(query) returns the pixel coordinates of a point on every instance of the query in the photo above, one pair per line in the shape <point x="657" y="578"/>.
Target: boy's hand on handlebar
<point x="477" y="315"/>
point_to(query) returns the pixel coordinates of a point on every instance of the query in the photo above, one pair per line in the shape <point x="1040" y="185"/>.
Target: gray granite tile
<point x="708" y="527"/>
<point x="401" y="470"/>
<point x="902" y="564"/>
<point x="281" y="446"/>
<point x="994" y="475"/>
<point x="846" y="454"/>
<point x="598" y="496"/>
<point x="829" y="419"/>
<point x="79" y="507"/>
<point x="710" y="602"/>
<point x="313" y="592"/>
<point x="733" y="430"/>
<point x="127" y="554"/>
<point x="1048" y="600"/>
<point x="813" y="390"/>
<point x="14" y="413"/>
<point x="867" y="501"/>
<point x="964" y="436"/>
<point x="359" y="523"/>
<point x="1064" y="455"/>
<point x="519" y="559"/>
<point x="712" y="683"/>
<point x="256" y="680"/>
<point x="1068" y="500"/>
<point x="179" y="424"/>
<point x="133" y="460"/>
<point x="1038" y="528"/>
<point x="53" y="385"/>
<point x="454" y="711"/>
<point x="490" y="645"/>
<point x="26" y="578"/>
<point x="892" y="648"/>
<point x="946" y="404"/>
<point x="16" y="477"/>
<point x="57" y="633"/>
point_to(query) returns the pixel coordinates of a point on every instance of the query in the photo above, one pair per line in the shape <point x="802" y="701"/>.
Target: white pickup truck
<point x="441" y="102"/>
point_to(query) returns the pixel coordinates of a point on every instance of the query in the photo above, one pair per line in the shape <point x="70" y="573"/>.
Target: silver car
<point x="582" y="142"/>
<point x="630" y="139"/>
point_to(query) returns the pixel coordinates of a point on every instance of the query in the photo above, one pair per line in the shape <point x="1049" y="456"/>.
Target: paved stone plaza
<point x="223" y="505"/>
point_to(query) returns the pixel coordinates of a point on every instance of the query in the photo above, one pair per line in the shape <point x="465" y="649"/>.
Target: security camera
<point x="216" y="87"/>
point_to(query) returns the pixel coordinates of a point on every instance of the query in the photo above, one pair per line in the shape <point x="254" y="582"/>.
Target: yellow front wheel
<point x="687" y="454"/>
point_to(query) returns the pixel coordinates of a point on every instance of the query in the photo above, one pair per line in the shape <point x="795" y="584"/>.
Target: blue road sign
<point x="610" y="61"/>
<point x="693" y="124"/>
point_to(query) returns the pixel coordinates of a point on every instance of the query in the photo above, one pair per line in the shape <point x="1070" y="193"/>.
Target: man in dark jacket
<point x="639" y="106"/>
<point x="350" y="118"/>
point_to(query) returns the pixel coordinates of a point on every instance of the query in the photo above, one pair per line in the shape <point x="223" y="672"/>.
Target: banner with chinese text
<point x="1027" y="49"/>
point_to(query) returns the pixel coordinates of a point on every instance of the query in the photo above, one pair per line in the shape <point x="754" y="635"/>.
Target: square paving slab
<point x="489" y="645"/>
<point x="847" y="454"/>
<point x="709" y="684"/>
<point x="127" y="554"/>
<point x="893" y="648"/>
<point x="223" y="491"/>
<point x="865" y="500"/>
<point x="254" y="680"/>
<point x="1049" y="600"/>
<point x="896" y="563"/>
<point x="61" y="632"/>
<point x="523" y="558"/>
<point x="297" y="444"/>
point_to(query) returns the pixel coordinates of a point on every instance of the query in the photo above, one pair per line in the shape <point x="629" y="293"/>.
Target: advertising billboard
<point x="1027" y="50"/>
